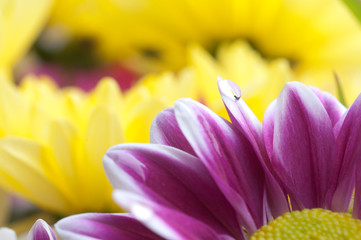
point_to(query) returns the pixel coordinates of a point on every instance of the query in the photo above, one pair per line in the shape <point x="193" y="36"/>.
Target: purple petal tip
<point x="41" y="231"/>
<point x="229" y="89"/>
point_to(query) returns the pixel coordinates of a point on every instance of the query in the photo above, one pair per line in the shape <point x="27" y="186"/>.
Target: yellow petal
<point x="64" y="142"/>
<point x="169" y="86"/>
<point x="278" y="73"/>
<point x="243" y="64"/>
<point x="108" y="93"/>
<point x="24" y="169"/>
<point x="43" y="92"/>
<point x="141" y="117"/>
<point x="13" y="109"/>
<point x="20" y="22"/>
<point x="206" y="71"/>
<point x="103" y="131"/>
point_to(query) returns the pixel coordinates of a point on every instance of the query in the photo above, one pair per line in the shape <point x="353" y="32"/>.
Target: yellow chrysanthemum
<point x="20" y="21"/>
<point x="51" y="147"/>
<point x="316" y="37"/>
<point x="52" y="141"/>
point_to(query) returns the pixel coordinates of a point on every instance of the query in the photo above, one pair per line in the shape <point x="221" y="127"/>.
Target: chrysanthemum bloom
<point x="52" y="141"/>
<point x="206" y="178"/>
<point x="316" y="37"/>
<point x="19" y="23"/>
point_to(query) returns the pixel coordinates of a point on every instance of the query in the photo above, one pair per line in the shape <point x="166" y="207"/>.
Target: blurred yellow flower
<point x="20" y="21"/>
<point x="51" y="147"/>
<point x="315" y="36"/>
<point x="52" y="141"/>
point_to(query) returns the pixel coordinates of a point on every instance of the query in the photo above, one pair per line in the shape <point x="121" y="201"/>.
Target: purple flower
<point x="203" y="177"/>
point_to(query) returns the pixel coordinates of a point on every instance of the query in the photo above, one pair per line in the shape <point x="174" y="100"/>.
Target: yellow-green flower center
<point x="313" y="224"/>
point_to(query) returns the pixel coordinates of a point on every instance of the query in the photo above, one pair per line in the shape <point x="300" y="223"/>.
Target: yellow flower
<point x="20" y="21"/>
<point x="315" y="36"/>
<point x="52" y="141"/>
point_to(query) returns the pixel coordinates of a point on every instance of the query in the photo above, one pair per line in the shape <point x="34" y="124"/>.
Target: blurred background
<point x="84" y="40"/>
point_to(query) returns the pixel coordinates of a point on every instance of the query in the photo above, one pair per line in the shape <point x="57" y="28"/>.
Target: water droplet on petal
<point x="229" y="89"/>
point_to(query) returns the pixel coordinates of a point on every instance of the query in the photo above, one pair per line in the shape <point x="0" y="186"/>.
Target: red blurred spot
<point x="87" y="79"/>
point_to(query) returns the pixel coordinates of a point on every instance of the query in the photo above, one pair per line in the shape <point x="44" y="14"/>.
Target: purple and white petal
<point x="268" y="127"/>
<point x="41" y="231"/>
<point x="247" y="122"/>
<point x="228" y="156"/>
<point x="105" y="226"/>
<point x="348" y="141"/>
<point x="173" y="178"/>
<point x="166" y="222"/>
<point x="333" y="107"/>
<point x="239" y="112"/>
<point x="303" y="146"/>
<point x="165" y="130"/>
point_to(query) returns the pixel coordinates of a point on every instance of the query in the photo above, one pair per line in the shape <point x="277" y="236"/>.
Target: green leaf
<point x="355" y="7"/>
<point x="340" y="94"/>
